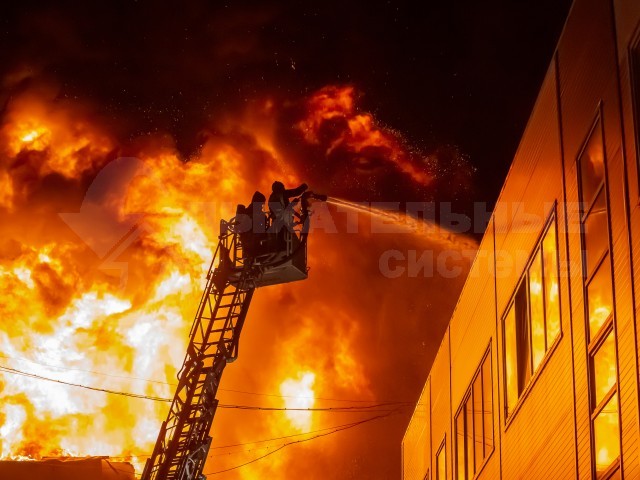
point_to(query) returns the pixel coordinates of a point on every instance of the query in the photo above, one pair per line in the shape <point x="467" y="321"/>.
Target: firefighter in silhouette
<point x="254" y="226"/>
<point x="256" y="213"/>
<point x="281" y="211"/>
<point x="281" y="197"/>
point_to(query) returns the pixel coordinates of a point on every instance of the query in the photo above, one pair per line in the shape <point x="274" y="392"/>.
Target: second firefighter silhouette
<point x="254" y="230"/>
<point x="280" y="209"/>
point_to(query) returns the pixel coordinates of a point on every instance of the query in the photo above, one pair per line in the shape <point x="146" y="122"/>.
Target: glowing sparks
<point x="328" y="103"/>
<point x="332" y="119"/>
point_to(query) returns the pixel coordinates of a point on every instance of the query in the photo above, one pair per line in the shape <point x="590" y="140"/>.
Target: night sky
<point x="457" y="73"/>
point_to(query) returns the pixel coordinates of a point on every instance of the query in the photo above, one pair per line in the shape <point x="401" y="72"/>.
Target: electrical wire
<point x="233" y="445"/>
<point x="384" y="407"/>
<point x="219" y="447"/>
<point x="355" y="424"/>
<point x="96" y="389"/>
<point x="69" y="369"/>
<point x="379" y="407"/>
<point x="332" y="430"/>
<point x="159" y="382"/>
<point x="336" y="429"/>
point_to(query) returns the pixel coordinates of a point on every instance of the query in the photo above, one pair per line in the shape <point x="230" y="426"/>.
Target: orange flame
<point x="359" y="132"/>
<point x="298" y="394"/>
<point x="71" y="146"/>
<point x="104" y="296"/>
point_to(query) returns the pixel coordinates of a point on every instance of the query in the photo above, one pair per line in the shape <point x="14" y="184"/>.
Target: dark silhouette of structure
<point x="242" y="263"/>
<point x="280" y="199"/>
<point x="253" y="225"/>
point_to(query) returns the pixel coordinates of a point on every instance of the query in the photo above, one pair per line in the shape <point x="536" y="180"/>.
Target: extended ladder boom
<point x="279" y="256"/>
<point x="183" y="443"/>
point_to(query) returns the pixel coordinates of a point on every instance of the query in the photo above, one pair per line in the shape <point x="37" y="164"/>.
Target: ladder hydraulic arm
<point x="184" y="439"/>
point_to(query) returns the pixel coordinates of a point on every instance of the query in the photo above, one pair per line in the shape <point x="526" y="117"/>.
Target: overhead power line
<point x="336" y="430"/>
<point x="243" y="444"/>
<point x="379" y="407"/>
<point x="87" y="387"/>
<point x="326" y="432"/>
<point x="159" y="382"/>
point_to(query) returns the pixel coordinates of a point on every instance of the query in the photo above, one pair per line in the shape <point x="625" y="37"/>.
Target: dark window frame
<point x="551" y="221"/>
<point x="486" y="356"/>
<point x="609" y="327"/>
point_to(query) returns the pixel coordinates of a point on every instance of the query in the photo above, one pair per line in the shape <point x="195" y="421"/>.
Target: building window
<point x="441" y="462"/>
<point x="598" y="288"/>
<point x="532" y="322"/>
<point x="474" y="423"/>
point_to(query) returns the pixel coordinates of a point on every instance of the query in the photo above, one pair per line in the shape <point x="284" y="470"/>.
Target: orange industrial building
<point x="537" y="373"/>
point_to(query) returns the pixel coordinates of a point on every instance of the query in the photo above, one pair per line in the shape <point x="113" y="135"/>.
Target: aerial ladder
<point x="244" y="260"/>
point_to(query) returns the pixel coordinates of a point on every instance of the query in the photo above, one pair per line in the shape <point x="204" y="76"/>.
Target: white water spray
<point x="413" y="225"/>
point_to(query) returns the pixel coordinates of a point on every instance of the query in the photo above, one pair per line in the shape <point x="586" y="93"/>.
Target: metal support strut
<point x="183" y="443"/>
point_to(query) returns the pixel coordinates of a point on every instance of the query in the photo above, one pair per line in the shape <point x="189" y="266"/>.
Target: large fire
<point x="103" y="251"/>
<point x="355" y="131"/>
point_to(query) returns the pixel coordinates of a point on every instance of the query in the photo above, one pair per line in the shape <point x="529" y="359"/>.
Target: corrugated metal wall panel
<point x="587" y="63"/>
<point x="416" y="444"/>
<point x="631" y="149"/>
<point x="627" y="19"/>
<point x="441" y="402"/>
<point x="523" y="206"/>
<point x="491" y="470"/>
<point x="472" y="326"/>
<point x="630" y="126"/>
<point x="538" y="442"/>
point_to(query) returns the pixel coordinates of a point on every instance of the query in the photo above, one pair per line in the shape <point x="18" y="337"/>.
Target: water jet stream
<point x="435" y="232"/>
